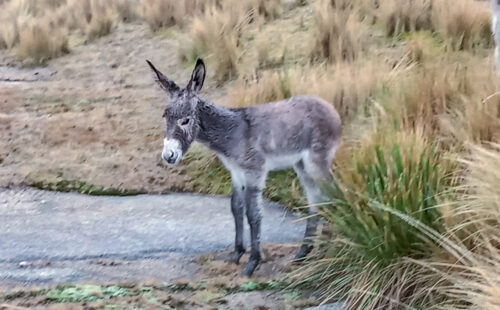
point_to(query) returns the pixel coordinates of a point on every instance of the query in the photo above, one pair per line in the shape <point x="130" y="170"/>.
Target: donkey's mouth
<point x="170" y="158"/>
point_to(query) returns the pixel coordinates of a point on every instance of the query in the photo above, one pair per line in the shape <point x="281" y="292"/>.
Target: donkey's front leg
<point x="238" y="209"/>
<point x="253" y="196"/>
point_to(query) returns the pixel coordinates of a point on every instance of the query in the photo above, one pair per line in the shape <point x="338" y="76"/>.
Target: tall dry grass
<point x="400" y="16"/>
<point x="165" y="13"/>
<point x="217" y="34"/>
<point x="348" y="86"/>
<point x="453" y="102"/>
<point x="40" y="43"/>
<point x="470" y="259"/>
<point x="463" y="25"/>
<point x="339" y="34"/>
<point x="39" y="30"/>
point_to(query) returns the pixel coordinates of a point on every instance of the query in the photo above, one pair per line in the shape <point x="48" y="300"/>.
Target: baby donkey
<point x="302" y="132"/>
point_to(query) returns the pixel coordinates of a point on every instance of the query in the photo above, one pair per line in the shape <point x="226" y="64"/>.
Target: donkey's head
<point x="181" y="116"/>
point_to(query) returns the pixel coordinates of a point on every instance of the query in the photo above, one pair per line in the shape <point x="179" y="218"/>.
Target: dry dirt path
<point x="52" y="237"/>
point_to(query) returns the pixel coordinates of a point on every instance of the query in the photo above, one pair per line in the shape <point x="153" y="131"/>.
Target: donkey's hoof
<point x="235" y="257"/>
<point x="250" y="267"/>
<point x="302" y="253"/>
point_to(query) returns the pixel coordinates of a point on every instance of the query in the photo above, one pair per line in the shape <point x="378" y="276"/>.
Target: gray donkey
<point x="302" y="132"/>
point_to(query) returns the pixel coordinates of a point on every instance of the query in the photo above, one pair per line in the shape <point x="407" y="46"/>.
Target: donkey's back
<point x="286" y="131"/>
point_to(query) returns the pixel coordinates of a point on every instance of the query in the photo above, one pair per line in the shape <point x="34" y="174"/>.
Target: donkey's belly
<point x="283" y="161"/>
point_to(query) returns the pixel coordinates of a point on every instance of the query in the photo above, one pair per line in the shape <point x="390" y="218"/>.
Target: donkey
<point x="302" y="132"/>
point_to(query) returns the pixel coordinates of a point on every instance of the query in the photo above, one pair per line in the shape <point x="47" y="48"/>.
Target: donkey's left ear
<point x="197" y="77"/>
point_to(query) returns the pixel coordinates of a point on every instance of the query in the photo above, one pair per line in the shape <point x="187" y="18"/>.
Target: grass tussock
<point x="166" y="13"/>
<point x="39" y="30"/>
<point x="401" y="16"/>
<point x="217" y="34"/>
<point x="451" y="102"/>
<point x="479" y="284"/>
<point x="348" y="87"/>
<point x="40" y="42"/>
<point x="100" y="22"/>
<point x="339" y="34"/>
<point x="393" y="182"/>
<point x="483" y="196"/>
<point x="463" y="25"/>
<point x="470" y="250"/>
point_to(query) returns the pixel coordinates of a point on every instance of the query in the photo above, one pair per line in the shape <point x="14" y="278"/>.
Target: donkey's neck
<point x="220" y="129"/>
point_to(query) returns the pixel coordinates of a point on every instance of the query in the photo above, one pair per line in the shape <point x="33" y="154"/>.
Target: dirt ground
<point x="94" y="115"/>
<point x="215" y="285"/>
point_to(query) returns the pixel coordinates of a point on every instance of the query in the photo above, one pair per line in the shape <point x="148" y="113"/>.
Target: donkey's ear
<point x="165" y="83"/>
<point x="197" y="77"/>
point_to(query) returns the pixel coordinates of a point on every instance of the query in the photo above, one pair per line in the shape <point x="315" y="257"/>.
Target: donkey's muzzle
<point x="170" y="157"/>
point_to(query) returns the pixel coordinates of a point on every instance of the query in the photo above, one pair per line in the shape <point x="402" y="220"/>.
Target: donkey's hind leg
<point x="310" y="176"/>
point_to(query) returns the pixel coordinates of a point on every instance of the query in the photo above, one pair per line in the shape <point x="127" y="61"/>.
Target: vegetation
<point x="378" y="208"/>
<point x="414" y="213"/>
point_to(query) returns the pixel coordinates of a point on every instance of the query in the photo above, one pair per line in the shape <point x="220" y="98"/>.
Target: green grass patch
<point x="87" y="292"/>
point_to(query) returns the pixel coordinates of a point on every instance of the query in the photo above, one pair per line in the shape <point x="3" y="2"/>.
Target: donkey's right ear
<point x="162" y="80"/>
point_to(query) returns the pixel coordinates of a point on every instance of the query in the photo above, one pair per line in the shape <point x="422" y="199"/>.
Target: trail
<point x="52" y="237"/>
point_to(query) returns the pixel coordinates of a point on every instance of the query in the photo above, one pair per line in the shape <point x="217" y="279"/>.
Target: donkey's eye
<point x="184" y="121"/>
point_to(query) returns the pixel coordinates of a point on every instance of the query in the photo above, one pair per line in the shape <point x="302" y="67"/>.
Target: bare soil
<point x="94" y="115"/>
<point x="215" y="285"/>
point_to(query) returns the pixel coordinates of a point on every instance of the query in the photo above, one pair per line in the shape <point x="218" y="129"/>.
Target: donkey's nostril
<point x="170" y="154"/>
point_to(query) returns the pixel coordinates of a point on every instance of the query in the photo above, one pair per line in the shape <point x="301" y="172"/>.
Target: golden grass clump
<point x="39" y="43"/>
<point x="217" y="33"/>
<point x="265" y="9"/>
<point x="339" y="34"/>
<point x="163" y="13"/>
<point x="24" y="20"/>
<point x="271" y="86"/>
<point x="481" y="283"/>
<point x="463" y="25"/>
<point x="348" y="86"/>
<point x="400" y="16"/>
<point x="452" y="102"/>
<point x="482" y="207"/>
<point x="471" y="247"/>
<point x="101" y="20"/>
